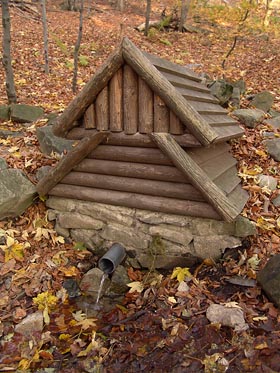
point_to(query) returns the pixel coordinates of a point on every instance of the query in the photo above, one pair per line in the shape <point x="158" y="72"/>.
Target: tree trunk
<point x="77" y="48"/>
<point x="148" y="13"/>
<point x="184" y="12"/>
<point x="45" y="33"/>
<point x="7" y="60"/>
<point x="121" y="5"/>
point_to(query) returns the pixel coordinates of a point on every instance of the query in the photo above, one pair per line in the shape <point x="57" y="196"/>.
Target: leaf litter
<point x="161" y="324"/>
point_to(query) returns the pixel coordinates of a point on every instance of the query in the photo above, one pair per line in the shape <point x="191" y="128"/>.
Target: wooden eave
<point x="223" y="204"/>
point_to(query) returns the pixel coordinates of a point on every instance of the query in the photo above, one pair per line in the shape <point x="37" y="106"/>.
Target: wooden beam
<point x="116" y="102"/>
<point x="196" y="175"/>
<point x="130" y="100"/>
<point x="134" y="200"/>
<point x="138" y="139"/>
<point x="176" y="127"/>
<point x="65" y="165"/>
<point x="102" y="109"/>
<point x="146" y="107"/>
<point x="165" y="90"/>
<point x="161" y="115"/>
<point x="88" y="94"/>
<point x="130" y="154"/>
<point x="89" y="117"/>
<point x="134" y="185"/>
<point x="128" y="169"/>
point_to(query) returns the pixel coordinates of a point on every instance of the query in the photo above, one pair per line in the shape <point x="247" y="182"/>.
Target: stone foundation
<point x="151" y="239"/>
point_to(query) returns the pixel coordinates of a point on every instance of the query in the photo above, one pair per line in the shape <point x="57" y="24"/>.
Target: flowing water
<point x="104" y="276"/>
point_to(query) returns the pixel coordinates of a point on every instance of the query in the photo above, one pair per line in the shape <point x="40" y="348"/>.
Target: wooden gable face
<point x="127" y="104"/>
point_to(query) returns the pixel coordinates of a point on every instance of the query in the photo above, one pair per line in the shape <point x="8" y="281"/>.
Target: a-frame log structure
<point x="152" y="137"/>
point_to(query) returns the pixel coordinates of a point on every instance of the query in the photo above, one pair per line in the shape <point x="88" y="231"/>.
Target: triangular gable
<point x="129" y="53"/>
<point x="182" y="161"/>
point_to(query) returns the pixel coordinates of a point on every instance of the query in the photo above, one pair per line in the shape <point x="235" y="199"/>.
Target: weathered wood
<point x="88" y="94"/>
<point x="102" y="110"/>
<point x="228" y="132"/>
<point x="196" y="175"/>
<point x="202" y="154"/>
<point x="190" y="95"/>
<point x="208" y="108"/>
<point x="215" y="167"/>
<point x="133" y="200"/>
<point x="228" y="181"/>
<point x="127" y="169"/>
<point x="89" y="117"/>
<point x="179" y="81"/>
<point x="173" y="99"/>
<point x="239" y="197"/>
<point x="116" y="102"/>
<point x="219" y="120"/>
<point x="176" y="127"/>
<point x="161" y="115"/>
<point x="130" y="154"/>
<point x="66" y="164"/>
<point x="168" y="66"/>
<point x="133" y="185"/>
<point x="130" y="100"/>
<point x="146" y="107"/>
<point x="138" y="139"/>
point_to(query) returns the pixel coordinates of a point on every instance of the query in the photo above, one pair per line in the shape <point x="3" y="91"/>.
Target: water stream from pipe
<point x="104" y="276"/>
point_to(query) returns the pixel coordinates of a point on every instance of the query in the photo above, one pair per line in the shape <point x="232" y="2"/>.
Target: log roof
<point x="181" y="166"/>
<point x="180" y="89"/>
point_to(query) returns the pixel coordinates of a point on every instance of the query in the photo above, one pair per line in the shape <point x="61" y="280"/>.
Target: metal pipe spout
<point x="113" y="257"/>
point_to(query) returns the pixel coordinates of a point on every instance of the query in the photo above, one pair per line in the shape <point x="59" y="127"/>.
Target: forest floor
<point x="159" y="329"/>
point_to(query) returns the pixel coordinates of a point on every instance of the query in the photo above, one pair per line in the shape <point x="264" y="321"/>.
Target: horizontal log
<point x="130" y="154"/>
<point x="127" y="169"/>
<point x="133" y="185"/>
<point x="75" y="155"/>
<point x="134" y="200"/>
<point x="187" y="140"/>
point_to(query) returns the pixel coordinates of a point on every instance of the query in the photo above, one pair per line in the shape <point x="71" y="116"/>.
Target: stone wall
<point x="151" y="239"/>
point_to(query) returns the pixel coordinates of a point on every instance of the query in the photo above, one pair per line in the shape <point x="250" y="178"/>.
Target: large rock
<point x="25" y="113"/>
<point x="250" y="117"/>
<point x="16" y="193"/>
<point x="31" y="324"/>
<point x="3" y="164"/>
<point x="4" y="112"/>
<point x="49" y="143"/>
<point x="269" y="279"/>
<point x="75" y="220"/>
<point x="213" y="246"/>
<point x="244" y="227"/>
<point x="273" y="148"/>
<point x="263" y="101"/>
<point x="90" y="283"/>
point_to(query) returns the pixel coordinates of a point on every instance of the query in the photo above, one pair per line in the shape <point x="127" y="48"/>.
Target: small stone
<point x="222" y="90"/>
<point x="276" y="201"/>
<point x="273" y="148"/>
<point x="166" y="261"/>
<point x="25" y="113"/>
<point x="64" y="232"/>
<point x="274" y="122"/>
<point x="119" y="281"/>
<point x="90" y="283"/>
<point x="49" y="143"/>
<point x="90" y="238"/>
<point x="227" y="316"/>
<point x="269" y="279"/>
<point x="51" y="215"/>
<point x="266" y="181"/>
<point x="250" y="117"/>
<point x="42" y="171"/>
<point x="72" y="287"/>
<point x="263" y="101"/>
<point x="30" y="324"/>
<point x="4" y="112"/>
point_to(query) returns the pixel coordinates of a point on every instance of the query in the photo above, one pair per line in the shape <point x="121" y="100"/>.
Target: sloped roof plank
<point x="196" y="175"/>
<point x="86" y="96"/>
<point x="66" y="164"/>
<point x="165" y="90"/>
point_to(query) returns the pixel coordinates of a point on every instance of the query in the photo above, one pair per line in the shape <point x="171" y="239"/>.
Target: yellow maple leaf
<point x="87" y="323"/>
<point x="135" y="286"/>
<point x="180" y="273"/>
<point x="263" y="223"/>
<point x="13" y="249"/>
<point x="45" y="302"/>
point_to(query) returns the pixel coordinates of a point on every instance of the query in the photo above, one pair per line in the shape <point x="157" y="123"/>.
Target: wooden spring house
<point x="151" y="137"/>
